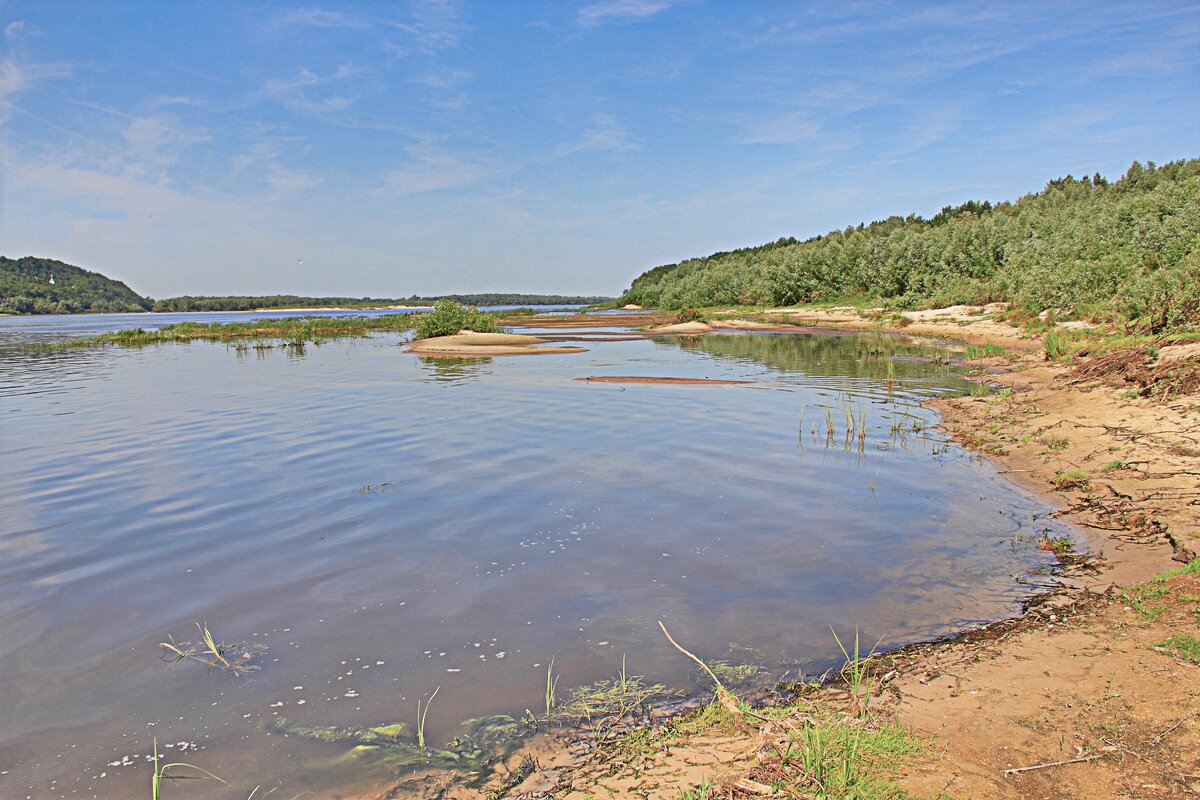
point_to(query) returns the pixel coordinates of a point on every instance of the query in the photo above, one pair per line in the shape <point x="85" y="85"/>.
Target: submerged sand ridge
<point x="471" y="344"/>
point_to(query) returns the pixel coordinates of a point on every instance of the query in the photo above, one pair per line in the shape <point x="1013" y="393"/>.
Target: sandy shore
<point x="1074" y="689"/>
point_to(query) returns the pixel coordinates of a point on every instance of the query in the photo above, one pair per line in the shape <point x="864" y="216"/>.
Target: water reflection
<point x="383" y="537"/>
<point x="454" y="370"/>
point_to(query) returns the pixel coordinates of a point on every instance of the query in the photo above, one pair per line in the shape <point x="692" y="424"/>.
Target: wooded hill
<point x="1126" y="251"/>
<point x="25" y="288"/>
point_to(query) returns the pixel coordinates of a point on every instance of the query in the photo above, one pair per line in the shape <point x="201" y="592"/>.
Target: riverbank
<point x="1091" y="693"/>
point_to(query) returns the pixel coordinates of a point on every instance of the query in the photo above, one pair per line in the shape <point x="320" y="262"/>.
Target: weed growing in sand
<point x="1057" y="443"/>
<point x="834" y="759"/>
<point x="698" y="792"/>
<point x="1112" y="466"/>
<point x="1065" y="480"/>
<point x="1152" y="598"/>
<point x="855" y="673"/>
<point x="1183" y="646"/>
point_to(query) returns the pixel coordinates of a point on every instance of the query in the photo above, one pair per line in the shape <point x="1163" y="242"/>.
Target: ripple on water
<point x="385" y="525"/>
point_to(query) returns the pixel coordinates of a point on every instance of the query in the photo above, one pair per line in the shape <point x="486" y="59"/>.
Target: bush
<point x="448" y="318"/>
<point x="689" y="314"/>
<point x="1165" y="299"/>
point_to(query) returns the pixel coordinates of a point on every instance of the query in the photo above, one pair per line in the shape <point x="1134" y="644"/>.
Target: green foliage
<point x="1127" y="251"/>
<point x="689" y="314"/>
<point x="25" y="288"/>
<point x="294" y="330"/>
<point x="448" y="318"/>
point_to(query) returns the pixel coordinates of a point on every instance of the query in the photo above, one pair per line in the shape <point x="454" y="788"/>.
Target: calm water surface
<point x="385" y="525"/>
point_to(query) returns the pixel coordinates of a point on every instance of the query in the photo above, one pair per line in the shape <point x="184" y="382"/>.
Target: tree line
<point x="1127" y="251"/>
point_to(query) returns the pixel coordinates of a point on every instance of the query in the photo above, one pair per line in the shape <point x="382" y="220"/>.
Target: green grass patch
<point x="1183" y="646"/>
<point x="1067" y="479"/>
<point x="989" y="350"/>
<point x="834" y="759"/>
<point x="1152" y="598"/>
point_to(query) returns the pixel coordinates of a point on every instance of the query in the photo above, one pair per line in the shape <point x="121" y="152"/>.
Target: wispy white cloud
<point x="606" y="134"/>
<point x="18" y="28"/>
<point x="431" y="167"/>
<point x="447" y="78"/>
<point x="298" y="92"/>
<point x="790" y="128"/>
<point x="626" y="10"/>
<point x="320" y="18"/>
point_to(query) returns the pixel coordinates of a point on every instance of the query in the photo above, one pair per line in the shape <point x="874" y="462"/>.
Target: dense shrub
<point x="1127" y="251"/>
<point x="448" y="318"/>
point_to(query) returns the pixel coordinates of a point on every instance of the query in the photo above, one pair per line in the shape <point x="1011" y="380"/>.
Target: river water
<point x="384" y="525"/>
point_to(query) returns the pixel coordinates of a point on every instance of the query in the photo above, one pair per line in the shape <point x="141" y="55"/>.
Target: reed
<point x="421" y="715"/>
<point x="551" y="685"/>
<point x="160" y="773"/>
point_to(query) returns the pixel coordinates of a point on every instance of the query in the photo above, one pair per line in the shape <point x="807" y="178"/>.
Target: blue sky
<point x="430" y="147"/>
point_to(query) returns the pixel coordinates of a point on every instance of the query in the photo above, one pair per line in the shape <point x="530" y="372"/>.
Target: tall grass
<point x="855" y="672"/>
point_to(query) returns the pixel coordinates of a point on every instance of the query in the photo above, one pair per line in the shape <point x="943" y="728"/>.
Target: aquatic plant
<point x="160" y="773"/>
<point x="390" y="749"/>
<point x="615" y="698"/>
<point x="235" y="657"/>
<point x="551" y="684"/>
<point x="421" y="718"/>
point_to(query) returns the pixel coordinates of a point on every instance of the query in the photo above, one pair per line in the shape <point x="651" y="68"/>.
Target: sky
<point x="430" y="147"/>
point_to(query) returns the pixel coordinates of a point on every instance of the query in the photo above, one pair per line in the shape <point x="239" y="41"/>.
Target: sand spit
<point x="469" y="344"/>
<point x="694" y="327"/>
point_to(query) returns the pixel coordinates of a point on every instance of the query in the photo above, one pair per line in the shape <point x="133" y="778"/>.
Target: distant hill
<point x="25" y="288"/>
<point x="250" y="303"/>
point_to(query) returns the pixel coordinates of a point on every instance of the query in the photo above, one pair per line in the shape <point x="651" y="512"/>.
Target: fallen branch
<point x="726" y="697"/>
<point x="1079" y="760"/>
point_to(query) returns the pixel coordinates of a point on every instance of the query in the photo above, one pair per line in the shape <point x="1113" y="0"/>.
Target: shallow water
<point x="386" y="525"/>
